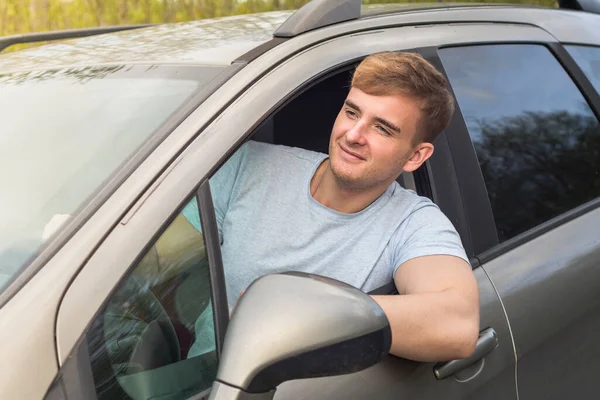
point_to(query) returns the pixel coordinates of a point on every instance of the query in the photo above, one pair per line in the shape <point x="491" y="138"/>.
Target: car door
<point x="530" y="112"/>
<point x="101" y="290"/>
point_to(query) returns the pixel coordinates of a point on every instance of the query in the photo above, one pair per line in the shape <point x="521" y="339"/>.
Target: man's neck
<point x="325" y="189"/>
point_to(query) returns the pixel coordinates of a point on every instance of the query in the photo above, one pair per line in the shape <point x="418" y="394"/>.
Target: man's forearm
<point x="434" y="326"/>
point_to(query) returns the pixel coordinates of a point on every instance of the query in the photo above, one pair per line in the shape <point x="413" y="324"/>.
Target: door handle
<point x="488" y="341"/>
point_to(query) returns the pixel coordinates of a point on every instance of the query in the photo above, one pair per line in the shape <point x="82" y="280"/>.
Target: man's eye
<point x="350" y="113"/>
<point x="383" y="130"/>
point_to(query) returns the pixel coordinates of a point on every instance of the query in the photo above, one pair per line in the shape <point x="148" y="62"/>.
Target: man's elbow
<point x="465" y="327"/>
<point x="466" y="334"/>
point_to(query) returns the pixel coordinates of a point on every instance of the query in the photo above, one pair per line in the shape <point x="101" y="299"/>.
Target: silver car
<point x="107" y="137"/>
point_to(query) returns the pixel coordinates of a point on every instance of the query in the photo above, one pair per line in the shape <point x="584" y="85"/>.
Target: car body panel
<point x="27" y="323"/>
<point x="550" y="288"/>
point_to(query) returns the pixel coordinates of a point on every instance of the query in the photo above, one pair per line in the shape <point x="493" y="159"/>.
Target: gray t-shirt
<point x="269" y="222"/>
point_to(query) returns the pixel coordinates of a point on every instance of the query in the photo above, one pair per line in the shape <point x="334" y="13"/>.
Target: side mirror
<point x="295" y="325"/>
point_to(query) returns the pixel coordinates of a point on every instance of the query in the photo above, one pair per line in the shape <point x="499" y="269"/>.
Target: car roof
<point x="210" y="42"/>
<point x="205" y="42"/>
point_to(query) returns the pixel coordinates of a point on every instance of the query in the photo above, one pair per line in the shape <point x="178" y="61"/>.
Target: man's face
<point x="372" y="138"/>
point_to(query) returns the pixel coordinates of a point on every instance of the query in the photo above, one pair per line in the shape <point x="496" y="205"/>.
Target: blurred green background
<point x="22" y="16"/>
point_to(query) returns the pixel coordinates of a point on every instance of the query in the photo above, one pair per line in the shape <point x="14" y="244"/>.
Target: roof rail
<point x="592" y="6"/>
<point x="7" y="41"/>
<point x="318" y="13"/>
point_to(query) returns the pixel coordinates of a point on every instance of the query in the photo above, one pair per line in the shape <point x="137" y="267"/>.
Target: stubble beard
<point x="352" y="184"/>
<point x="367" y="180"/>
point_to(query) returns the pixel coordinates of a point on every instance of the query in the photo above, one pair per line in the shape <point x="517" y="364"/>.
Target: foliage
<point x="22" y="16"/>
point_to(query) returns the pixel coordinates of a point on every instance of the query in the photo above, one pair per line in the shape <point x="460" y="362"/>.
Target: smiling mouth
<point x="351" y="153"/>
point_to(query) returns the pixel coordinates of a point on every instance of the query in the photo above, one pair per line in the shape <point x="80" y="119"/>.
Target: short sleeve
<point x="426" y="232"/>
<point x="222" y="185"/>
<point x="191" y="213"/>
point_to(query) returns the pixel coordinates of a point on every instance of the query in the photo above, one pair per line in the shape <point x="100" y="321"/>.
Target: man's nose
<point x="356" y="134"/>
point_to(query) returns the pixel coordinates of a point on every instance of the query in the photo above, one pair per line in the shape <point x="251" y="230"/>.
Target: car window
<point x="154" y="338"/>
<point x="64" y="133"/>
<point x="536" y="138"/>
<point x="588" y="59"/>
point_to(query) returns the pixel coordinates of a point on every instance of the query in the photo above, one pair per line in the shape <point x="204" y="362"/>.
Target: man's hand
<point x="436" y="315"/>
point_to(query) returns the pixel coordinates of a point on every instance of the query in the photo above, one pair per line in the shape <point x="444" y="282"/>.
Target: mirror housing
<point x="295" y="325"/>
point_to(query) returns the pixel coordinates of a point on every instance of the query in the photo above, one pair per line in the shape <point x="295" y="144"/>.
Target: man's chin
<point x="348" y="179"/>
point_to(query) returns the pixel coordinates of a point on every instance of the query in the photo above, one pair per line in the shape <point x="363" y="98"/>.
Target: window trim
<point x="538" y="230"/>
<point x="582" y="82"/>
<point x="478" y="228"/>
<point x="467" y="175"/>
<point x="440" y="175"/>
<point x="218" y="289"/>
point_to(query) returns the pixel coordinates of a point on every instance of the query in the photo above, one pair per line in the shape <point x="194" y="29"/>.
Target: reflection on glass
<point x="140" y="343"/>
<point x="588" y="59"/>
<point x="64" y="132"/>
<point x="537" y="140"/>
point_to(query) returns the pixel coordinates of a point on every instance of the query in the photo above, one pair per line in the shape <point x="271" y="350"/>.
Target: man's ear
<point x="420" y="155"/>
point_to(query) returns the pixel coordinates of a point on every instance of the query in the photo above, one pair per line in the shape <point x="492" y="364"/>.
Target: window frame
<point x="477" y="206"/>
<point x="212" y="244"/>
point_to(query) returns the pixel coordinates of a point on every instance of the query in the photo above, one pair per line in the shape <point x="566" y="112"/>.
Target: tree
<point x="538" y="165"/>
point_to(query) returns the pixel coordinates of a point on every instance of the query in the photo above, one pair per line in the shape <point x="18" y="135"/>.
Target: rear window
<point x="65" y="132"/>
<point x="536" y="138"/>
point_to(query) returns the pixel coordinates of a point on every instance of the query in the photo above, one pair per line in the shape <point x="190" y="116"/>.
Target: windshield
<point x="64" y="132"/>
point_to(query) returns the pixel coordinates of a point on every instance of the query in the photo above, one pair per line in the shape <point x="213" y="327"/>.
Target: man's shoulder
<point x="419" y="213"/>
<point x="410" y="199"/>
<point x="279" y="153"/>
<point x="407" y="207"/>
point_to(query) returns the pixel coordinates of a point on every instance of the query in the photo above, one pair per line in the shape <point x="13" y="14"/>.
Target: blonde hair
<point x="409" y="74"/>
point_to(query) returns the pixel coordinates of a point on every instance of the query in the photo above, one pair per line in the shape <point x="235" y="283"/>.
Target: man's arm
<point x="436" y="315"/>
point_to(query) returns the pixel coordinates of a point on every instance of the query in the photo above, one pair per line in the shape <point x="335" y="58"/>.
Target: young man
<point x="344" y="215"/>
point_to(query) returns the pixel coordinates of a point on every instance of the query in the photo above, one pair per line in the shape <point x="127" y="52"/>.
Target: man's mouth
<point x="351" y="153"/>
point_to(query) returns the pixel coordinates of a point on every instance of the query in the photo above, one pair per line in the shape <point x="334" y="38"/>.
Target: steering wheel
<point x="138" y="333"/>
<point x="133" y="334"/>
